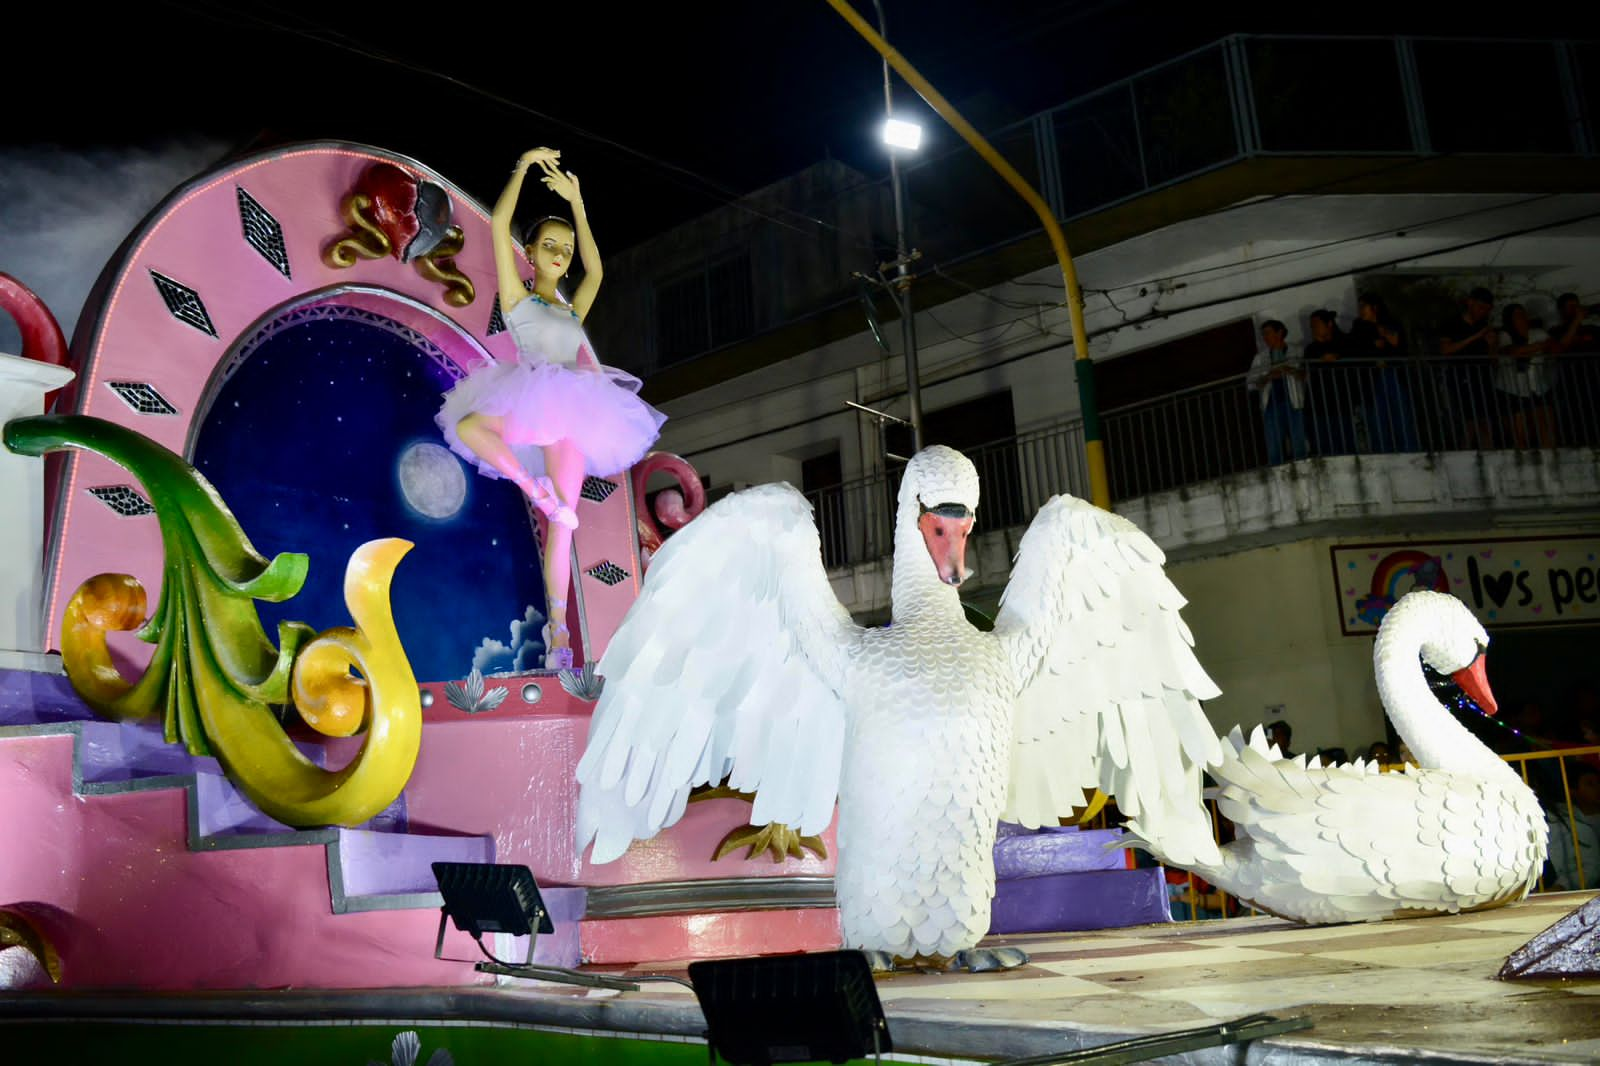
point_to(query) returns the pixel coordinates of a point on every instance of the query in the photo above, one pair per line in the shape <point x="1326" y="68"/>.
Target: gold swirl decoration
<point x="439" y="266"/>
<point x="215" y="678"/>
<point x="364" y="239"/>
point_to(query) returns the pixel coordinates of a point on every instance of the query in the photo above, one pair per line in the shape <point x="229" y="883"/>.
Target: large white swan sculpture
<point x="1459" y="831"/>
<point x="737" y="662"/>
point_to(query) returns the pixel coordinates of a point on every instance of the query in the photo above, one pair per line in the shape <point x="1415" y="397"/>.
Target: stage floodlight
<point x="791" y="1008"/>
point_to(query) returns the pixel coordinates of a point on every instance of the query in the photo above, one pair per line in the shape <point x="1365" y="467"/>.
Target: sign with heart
<point x="1507" y="581"/>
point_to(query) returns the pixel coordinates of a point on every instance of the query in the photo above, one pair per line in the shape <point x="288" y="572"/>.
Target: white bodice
<point x="545" y="333"/>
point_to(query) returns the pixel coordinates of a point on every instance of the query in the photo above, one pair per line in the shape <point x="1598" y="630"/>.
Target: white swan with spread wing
<point x="1459" y="831"/>
<point x="738" y="662"/>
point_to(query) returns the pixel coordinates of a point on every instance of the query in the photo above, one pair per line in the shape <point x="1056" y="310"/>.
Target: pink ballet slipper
<point x="542" y="491"/>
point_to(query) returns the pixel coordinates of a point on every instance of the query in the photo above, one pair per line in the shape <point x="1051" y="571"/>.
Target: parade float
<point x="271" y="657"/>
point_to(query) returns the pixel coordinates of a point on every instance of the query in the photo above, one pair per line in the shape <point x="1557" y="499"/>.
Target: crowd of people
<point x="1490" y="381"/>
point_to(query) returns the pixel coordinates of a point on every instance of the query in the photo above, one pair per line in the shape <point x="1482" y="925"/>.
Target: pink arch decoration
<point x="223" y="257"/>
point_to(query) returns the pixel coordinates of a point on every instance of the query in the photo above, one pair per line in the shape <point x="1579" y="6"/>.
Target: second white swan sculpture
<point x="1459" y="831"/>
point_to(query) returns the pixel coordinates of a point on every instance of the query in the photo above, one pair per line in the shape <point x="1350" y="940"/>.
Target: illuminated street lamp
<point x="898" y="133"/>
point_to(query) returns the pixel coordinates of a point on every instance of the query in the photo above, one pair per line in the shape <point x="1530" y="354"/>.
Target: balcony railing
<point x="1222" y="429"/>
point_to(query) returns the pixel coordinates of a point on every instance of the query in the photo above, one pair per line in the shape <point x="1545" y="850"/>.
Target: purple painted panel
<point x="1099" y="899"/>
<point x="30" y="698"/>
<point x="387" y="864"/>
<point x="561" y="948"/>
<point x="127" y="751"/>
<point x="1062" y="850"/>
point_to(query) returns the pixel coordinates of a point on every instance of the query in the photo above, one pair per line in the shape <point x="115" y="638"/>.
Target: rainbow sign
<point x="1522" y="581"/>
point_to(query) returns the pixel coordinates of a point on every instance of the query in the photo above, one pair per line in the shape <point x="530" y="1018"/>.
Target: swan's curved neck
<point x="1435" y="738"/>
<point x="916" y="589"/>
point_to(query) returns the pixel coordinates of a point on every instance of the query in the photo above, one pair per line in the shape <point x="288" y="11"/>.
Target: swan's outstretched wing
<point x="1109" y="684"/>
<point x="730" y="664"/>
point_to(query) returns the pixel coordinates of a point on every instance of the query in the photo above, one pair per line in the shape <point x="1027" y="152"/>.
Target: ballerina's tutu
<point x="545" y="396"/>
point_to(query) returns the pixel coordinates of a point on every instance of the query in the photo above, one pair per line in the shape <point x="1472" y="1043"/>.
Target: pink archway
<point x="223" y="257"/>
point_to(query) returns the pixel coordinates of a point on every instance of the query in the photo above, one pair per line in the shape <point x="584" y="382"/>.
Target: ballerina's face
<point x="551" y="250"/>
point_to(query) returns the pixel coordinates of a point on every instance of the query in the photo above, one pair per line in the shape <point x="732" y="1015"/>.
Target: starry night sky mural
<point x="324" y="439"/>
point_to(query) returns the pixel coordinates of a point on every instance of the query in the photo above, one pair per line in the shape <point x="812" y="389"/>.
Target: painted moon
<point x="432" y="481"/>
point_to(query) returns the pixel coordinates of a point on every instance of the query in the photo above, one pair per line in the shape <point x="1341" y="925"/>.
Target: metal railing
<point x="1222" y="429"/>
<point x="1555" y="876"/>
<point x="856" y="519"/>
<point x="1245" y="96"/>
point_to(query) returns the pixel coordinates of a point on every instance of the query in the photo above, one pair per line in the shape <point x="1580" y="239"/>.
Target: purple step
<point x="1097" y="899"/>
<point x="399" y="864"/>
<point x="1056" y="850"/>
<point x="560" y="948"/>
<point x="110" y="752"/>
<point x="28" y="697"/>
<point x="223" y="811"/>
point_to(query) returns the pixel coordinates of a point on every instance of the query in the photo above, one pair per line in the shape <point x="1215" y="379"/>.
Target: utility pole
<point x="902" y="276"/>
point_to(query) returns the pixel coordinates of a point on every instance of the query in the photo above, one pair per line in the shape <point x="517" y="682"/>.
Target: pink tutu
<point x="541" y="403"/>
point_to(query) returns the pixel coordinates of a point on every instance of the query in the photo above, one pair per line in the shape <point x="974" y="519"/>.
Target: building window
<point x="705" y="310"/>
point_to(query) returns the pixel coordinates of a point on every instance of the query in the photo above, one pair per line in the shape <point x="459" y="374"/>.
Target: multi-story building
<point x="1254" y="180"/>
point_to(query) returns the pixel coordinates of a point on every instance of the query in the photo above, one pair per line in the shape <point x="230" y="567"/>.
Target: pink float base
<point x="511" y="778"/>
<point x="671" y="937"/>
<point x="111" y="881"/>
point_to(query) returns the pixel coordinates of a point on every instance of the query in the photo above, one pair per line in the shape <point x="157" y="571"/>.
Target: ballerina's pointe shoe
<point x="542" y="491"/>
<point x="556" y="658"/>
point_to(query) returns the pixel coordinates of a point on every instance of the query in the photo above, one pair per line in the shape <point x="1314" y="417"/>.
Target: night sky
<point x="306" y="443"/>
<point x="664" y="110"/>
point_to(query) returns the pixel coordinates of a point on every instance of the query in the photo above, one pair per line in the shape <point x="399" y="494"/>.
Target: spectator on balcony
<point x="1579" y="817"/>
<point x="1278" y="377"/>
<point x="1466" y="390"/>
<point x="1577" y="331"/>
<point x="1522" y="381"/>
<point x="1379" y="753"/>
<point x="1330" y="386"/>
<point x="1575" y="334"/>
<point x="1377" y="335"/>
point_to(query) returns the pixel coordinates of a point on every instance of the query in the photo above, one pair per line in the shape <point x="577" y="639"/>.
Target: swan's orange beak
<point x="1474" y="681"/>
<point x="946" y="537"/>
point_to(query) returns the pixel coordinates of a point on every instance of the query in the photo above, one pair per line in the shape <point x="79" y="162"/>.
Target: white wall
<point x="1197" y="274"/>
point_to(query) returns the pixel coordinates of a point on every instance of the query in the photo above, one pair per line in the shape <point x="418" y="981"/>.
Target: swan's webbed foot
<point x="988" y="960"/>
<point x="775" y="838"/>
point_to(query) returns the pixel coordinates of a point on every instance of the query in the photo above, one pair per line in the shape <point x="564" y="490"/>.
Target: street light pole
<point x="902" y="283"/>
<point x="1093" y="446"/>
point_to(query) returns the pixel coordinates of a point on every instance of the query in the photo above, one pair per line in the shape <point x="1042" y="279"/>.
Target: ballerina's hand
<point x="563" y="185"/>
<point x="539" y="156"/>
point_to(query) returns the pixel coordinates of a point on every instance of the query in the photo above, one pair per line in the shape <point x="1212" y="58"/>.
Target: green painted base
<point x="323" y="1044"/>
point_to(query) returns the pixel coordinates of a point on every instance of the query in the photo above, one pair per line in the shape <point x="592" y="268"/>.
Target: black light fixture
<point x="497" y="898"/>
<point x="791" y="1008"/>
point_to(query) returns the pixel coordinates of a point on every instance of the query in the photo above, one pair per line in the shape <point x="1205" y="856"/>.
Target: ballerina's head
<point x="548" y="244"/>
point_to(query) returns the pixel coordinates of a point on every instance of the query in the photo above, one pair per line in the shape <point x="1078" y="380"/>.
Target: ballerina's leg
<point x="484" y="434"/>
<point x="564" y="461"/>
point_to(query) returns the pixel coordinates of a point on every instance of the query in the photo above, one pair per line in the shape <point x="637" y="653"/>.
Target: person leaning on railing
<point x="1277" y="376"/>
<point x="1333" y="401"/>
<point x="1386" y="400"/>
<point x="1522" y="381"/>
<point x="1466" y="392"/>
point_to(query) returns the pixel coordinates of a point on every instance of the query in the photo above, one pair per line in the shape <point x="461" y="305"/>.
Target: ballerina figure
<point x="557" y="413"/>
